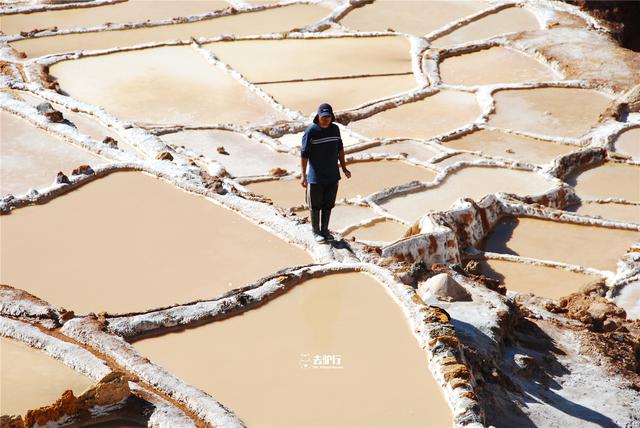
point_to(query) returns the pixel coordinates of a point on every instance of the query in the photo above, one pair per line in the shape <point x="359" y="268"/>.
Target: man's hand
<point x="347" y="173"/>
<point x="303" y="181"/>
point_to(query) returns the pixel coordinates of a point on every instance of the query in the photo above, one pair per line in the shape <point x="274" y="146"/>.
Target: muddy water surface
<point x="513" y="19"/>
<point x="382" y="231"/>
<point x="30" y="157"/>
<point x="588" y="246"/>
<point x="29" y="378"/>
<point x="264" y="22"/>
<point x="514" y="68"/>
<point x="510" y="146"/>
<point x="424" y="119"/>
<point x="469" y="182"/>
<point x="333" y="351"/>
<point x="166" y="85"/>
<point x="608" y="180"/>
<point x="106" y="251"/>
<point x="610" y="211"/>
<point x="542" y="281"/>
<point x="628" y="143"/>
<point x="544" y="110"/>
<point x="408" y="16"/>
<point x="366" y="178"/>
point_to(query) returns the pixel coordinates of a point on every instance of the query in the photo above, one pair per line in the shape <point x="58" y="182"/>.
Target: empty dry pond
<point x="100" y="249"/>
<point x="333" y="351"/>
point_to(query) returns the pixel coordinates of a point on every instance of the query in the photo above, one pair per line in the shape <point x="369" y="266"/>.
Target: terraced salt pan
<point x="31" y="157"/>
<point x="246" y="157"/>
<point x="165" y="85"/>
<point x="588" y="246"/>
<point x="382" y="231"/>
<point x="545" y="111"/>
<point x="542" y="281"/>
<point x="469" y="182"/>
<point x="129" y="242"/>
<point x="514" y="67"/>
<point x="30" y="379"/>
<point x="443" y="112"/>
<point x="295" y="140"/>
<point x="300" y="58"/>
<point x="505" y="145"/>
<point x="412" y="149"/>
<point x="608" y="180"/>
<point x="121" y="13"/>
<point x="348" y="316"/>
<point x="344" y="215"/>
<point x="610" y="211"/>
<point x="289" y="193"/>
<point x="341" y="93"/>
<point x="513" y="19"/>
<point x="264" y="22"/>
<point x="629" y="143"/>
<point x="407" y="16"/>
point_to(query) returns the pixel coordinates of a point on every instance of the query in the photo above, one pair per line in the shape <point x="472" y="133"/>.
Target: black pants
<point x="322" y="196"/>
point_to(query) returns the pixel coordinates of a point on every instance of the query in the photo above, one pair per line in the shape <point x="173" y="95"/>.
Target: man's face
<point x="324" y="121"/>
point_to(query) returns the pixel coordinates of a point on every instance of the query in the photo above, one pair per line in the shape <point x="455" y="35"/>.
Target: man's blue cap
<point x="325" y="110"/>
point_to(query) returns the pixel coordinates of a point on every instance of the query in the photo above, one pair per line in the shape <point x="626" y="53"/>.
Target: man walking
<point x="321" y="151"/>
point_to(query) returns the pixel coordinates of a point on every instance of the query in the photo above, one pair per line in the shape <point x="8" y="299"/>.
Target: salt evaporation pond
<point x="413" y="149"/>
<point x="611" y="211"/>
<point x="543" y="281"/>
<point x="120" y="13"/>
<point x="442" y="112"/>
<point x="545" y="111"/>
<point x="381" y="231"/>
<point x="264" y="22"/>
<point x="388" y="173"/>
<point x="514" y="68"/>
<point x="510" y="20"/>
<point x="587" y="246"/>
<point x="628" y="143"/>
<point x="413" y="17"/>
<point x="99" y="248"/>
<point x="510" y="146"/>
<point x="167" y="85"/>
<point x="30" y="378"/>
<point x="469" y="182"/>
<point x="245" y="156"/>
<point x="31" y="157"/>
<point x="608" y="180"/>
<point x="261" y="363"/>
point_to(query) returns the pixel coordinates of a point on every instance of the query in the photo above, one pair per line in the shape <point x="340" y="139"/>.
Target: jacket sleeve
<point x="304" y="152"/>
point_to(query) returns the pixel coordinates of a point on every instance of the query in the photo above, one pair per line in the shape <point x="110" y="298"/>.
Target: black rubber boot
<point x="326" y="215"/>
<point x="315" y="225"/>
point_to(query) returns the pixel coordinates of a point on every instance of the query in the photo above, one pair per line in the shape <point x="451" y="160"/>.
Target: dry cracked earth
<point x="159" y="268"/>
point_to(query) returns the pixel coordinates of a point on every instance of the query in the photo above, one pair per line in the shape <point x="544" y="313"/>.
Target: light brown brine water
<point x="588" y="246"/>
<point x="299" y="58"/>
<point x="610" y="211"/>
<point x="29" y="378"/>
<point x="341" y="93"/>
<point x="264" y="22"/>
<point x="437" y="114"/>
<point x="544" y="110"/>
<point x="289" y="193"/>
<point x="469" y="182"/>
<point x="99" y="248"/>
<point x="381" y="231"/>
<point x="514" y="68"/>
<point x="31" y="157"/>
<point x="121" y="13"/>
<point x="513" y="19"/>
<point x="628" y="143"/>
<point x="608" y="180"/>
<point x="413" y="149"/>
<point x="510" y="146"/>
<point x="333" y="351"/>
<point x="246" y="156"/>
<point x="167" y="85"/>
<point x="408" y="16"/>
<point x="542" y="281"/>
